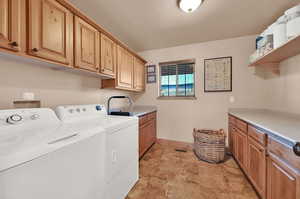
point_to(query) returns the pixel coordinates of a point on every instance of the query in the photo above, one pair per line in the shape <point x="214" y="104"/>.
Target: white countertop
<point x="284" y="125"/>
<point x="142" y="110"/>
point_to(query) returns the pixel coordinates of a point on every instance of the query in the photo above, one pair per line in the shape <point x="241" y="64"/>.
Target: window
<point x="177" y="79"/>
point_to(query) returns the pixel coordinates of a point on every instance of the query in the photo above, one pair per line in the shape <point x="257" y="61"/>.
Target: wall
<point x="177" y="118"/>
<point x="283" y="91"/>
<point x="52" y="87"/>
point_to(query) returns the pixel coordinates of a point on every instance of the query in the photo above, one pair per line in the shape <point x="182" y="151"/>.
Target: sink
<point x="121" y="113"/>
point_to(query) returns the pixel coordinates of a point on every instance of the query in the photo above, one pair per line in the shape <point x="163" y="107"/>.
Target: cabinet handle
<point x="14" y="44"/>
<point x="35" y="50"/>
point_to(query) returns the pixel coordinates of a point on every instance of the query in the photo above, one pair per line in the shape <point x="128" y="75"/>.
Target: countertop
<point x="285" y="126"/>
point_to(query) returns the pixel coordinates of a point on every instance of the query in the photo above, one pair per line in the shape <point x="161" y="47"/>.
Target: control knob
<point x="14" y="119"/>
<point x="35" y="117"/>
<point x="296" y="148"/>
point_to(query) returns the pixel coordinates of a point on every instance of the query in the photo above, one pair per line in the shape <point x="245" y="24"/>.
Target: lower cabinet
<point x="283" y="181"/>
<point x="147" y="132"/>
<point x="241" y="148"/>
<point x="257" y="166"/>
<point x="271" y="166"/>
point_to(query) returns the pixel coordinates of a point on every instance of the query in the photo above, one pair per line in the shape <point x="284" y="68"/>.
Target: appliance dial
<point x="98" y="108"/>
<point x="297" y="148"/>
<point x="14" y="119"/>
<point x="35" y="117"/>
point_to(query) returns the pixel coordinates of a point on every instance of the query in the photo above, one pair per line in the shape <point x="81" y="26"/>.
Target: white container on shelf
<point x="293" y="23"/>
<point x="280" y="32"/>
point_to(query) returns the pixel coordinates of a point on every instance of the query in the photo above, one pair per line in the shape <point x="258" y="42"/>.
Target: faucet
<point x="117" y="97"/>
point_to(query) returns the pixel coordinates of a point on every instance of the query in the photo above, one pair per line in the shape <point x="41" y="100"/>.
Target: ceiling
<point x="153" y="24"/>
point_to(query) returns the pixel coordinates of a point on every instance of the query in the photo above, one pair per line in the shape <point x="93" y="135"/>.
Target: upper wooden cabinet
<point x="108" y="56"/>
<point x="10" y="31"/>
<point x="57" y="32"/>
<point x="139" y="75"/>
<point x="124" y="68"/>
<point x="87" y="44"/>
<point x="50" y="31"/>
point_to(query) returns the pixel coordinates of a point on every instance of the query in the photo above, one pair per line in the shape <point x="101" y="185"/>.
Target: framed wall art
<point x="218" y="74"/>
<point x="151" y="74"/>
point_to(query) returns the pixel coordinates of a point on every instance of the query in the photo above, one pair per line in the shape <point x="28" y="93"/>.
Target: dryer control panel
<point x="71" y="112"/>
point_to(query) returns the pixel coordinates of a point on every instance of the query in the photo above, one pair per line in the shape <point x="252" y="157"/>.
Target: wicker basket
<point x="209" y="145"/>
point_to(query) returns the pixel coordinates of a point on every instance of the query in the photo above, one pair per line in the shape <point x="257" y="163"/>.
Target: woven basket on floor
<point x="209" y="145"/>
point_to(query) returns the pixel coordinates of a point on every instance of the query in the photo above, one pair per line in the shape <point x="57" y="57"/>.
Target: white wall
<point x="52" y="87"/>
<point x="284" y="90"/>
<point x="177" y="118"/>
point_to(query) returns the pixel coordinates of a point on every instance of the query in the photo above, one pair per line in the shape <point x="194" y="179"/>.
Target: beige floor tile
<point x="168" y="174"/>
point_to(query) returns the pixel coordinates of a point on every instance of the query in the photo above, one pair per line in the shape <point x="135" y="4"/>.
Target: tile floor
<point x="167" y="174"/>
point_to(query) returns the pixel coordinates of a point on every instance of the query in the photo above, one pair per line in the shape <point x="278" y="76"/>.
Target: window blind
<point x="177" y="79"/>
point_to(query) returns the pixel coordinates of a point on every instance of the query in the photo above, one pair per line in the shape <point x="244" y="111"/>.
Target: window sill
<point x="176" y="98"/>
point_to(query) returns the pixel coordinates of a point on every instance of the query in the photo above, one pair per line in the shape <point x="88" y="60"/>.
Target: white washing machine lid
<point x="37" y="134"/>
<point x="25" y="150"/>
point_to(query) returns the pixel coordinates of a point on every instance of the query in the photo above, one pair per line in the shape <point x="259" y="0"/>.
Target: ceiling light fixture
<point x="189" y="5"/>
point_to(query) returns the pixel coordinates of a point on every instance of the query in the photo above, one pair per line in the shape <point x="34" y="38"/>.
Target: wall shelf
<point x="272" y="59"/>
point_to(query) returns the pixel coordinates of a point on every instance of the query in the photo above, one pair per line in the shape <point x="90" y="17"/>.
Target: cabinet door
<point x="10" y="32"/>
<point x="50" y="31"/>
<point x="241" y="149"/>
<point x="125" y="68"/>
<point x="152" y="132"/>
<point x="86" y="46"/>
<point x="108" y="56"/>
<point x="257" y="166"/>
<point x="230" y="137"/>
<point x="143" y="139"/>
<point x="139" y="75"/>
<point x="283" y="181"/>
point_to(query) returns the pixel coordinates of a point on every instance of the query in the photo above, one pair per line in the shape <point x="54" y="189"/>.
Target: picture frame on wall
<point x="151" y="79"/>
<point x="151" y="69"/>
<point x="151" y="74"/>
<point x="218" y="74"/>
